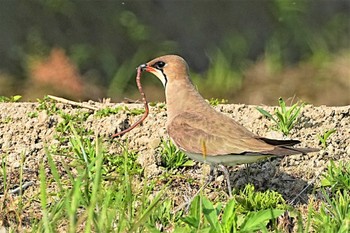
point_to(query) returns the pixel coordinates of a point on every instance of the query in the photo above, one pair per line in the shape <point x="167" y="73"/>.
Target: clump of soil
<point x="25" y="131"/>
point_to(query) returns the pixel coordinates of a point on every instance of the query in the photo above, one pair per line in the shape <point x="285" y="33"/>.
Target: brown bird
<point x="203" y="133"/>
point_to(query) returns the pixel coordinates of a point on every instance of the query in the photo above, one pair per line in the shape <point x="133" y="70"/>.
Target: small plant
<point x="14" y="98"/>
<point x="216" y="102"/>
<point x="113" y="165"/>
<point x="323" y="138"/>
<point x="84" y="195"/>
<point x="163" y="217"/>
<point x="250" y="200"/>
<point x="172" y="157"/>
<point x="231" y="220"/>
<point x="107" y="111"/>
<point x="48" y="105"/>
<point x="32" y="114"/>
<point x="337" y="177"/>
<point x="159" y="105"/>
<point x="135" y="111"/>
<point x="334" y="215"/>
<point x="6" y="120"/>
<point x="284" y="118"/>
<point x="12" y="203"/>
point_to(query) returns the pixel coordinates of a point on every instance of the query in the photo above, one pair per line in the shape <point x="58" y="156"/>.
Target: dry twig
<point x="73" y="103"/>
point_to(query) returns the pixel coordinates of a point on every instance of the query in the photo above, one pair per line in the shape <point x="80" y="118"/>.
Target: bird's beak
<point x="145" y="67"/>
<point x="156" y="72"/>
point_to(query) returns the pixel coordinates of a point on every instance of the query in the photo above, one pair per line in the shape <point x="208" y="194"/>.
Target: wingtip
<point x="285" y="151"/>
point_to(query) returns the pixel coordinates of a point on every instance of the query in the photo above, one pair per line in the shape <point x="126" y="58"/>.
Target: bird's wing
<point x="196" y="133"/>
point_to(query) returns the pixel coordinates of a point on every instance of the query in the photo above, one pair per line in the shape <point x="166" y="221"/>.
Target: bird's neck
<point x="182" y="96"/>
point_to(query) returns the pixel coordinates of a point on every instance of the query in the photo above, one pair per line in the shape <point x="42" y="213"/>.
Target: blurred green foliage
<point x="107" y="40"/>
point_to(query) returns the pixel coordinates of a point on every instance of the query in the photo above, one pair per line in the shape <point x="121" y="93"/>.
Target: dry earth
<point x="22" y="135"/>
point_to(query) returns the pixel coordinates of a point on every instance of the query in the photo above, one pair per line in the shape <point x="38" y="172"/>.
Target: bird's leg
<point x="227" y="177"/>
<point x="212" y="173"/>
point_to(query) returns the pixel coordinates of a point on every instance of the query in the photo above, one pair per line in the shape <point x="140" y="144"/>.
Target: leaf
<point x="15" y="98"/>
<point x="195" y="213"/>
<point x="229" y="216"/>
<point x="266" y="114"/>
<point x="282" y="104"/>
<point x="189" y="163"/>
<point x="256" y="220"/>
<point x="210" y="214"/>
<point x="191" y="220"/>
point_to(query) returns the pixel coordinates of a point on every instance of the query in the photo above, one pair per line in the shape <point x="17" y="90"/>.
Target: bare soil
<point x="22" y="135"/>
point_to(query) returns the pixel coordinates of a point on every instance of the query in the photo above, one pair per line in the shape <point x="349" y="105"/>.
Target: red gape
<point x="138" y="82"/>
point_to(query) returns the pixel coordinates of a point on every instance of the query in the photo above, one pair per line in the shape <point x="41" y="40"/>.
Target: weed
<point x="108" y="111"/>
<point x="113" y="165"/>
<point x="216" y="101"/>
<point x="250" y="200"/>
<point x="231" y="219"/>
<point x="6" y="120"/>
<point x="134" y="111"/>
<point x="14" y="98"/>
<point x="159" y="105"/>
<point x="48" y="105"/>
<point x="173" y="158"/>
<point x="33" y="114"/>
<point x="284" y="118"/>
<point x="334" y="215"/>
<point x="337" y="177"/>
<point x="76" y="119"/>
<point x="163" y="217"/>
<point x="324" y="137"/>
<point x="87" y="200"/>
<point x="12" y="203"/>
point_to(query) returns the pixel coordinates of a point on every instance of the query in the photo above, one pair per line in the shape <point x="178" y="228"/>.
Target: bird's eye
<point x="159" y="65"/>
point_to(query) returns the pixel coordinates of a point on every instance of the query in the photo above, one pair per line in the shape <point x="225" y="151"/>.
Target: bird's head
<point x="167" y="68"/>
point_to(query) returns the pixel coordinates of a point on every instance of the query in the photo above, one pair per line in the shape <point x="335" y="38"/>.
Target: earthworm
<point x="139" y="86"/>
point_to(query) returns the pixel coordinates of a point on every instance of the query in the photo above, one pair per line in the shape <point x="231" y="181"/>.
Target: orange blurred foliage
<point x="57" y="73"/>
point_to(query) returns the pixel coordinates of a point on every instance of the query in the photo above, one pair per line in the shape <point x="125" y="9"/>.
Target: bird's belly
<point x="227" y="160"/>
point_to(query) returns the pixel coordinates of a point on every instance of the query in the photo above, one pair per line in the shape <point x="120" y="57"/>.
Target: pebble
<point x="154" y="143"/>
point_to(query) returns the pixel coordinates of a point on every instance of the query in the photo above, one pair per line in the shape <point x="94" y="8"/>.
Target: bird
<point x="203" y="133"/>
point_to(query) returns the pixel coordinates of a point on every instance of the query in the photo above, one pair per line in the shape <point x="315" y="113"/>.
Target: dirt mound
<point x="25" y="131"/>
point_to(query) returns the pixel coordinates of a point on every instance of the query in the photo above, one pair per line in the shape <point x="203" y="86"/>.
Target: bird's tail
<point x="285" y="150"/>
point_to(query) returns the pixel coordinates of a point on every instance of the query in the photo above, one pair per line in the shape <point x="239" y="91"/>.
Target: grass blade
<point x="43" y="198"/>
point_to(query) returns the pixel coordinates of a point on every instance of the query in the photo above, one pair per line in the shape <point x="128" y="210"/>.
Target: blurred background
<point x="248" y="51"/>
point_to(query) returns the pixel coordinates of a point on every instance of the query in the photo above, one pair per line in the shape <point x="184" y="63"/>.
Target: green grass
<point x="324" y="137"/>
<point x="14" y="98"/>
<point x="172" y="158"/>
<point x="107" y="111"/>
<point x="250" y="200"/>
<point x="204" y="216"/>
<point x="216" y="101"/>
<point x="284" y="118"/>
<point x="334" y="213"/>
<point x="110" y="111"/>
<point x="85" y="198"/>
<point x="85" y="188"/>
<point x="337" y="177"/>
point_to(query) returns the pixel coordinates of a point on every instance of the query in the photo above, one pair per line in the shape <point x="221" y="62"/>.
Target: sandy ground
<point x="22" y="135"/>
